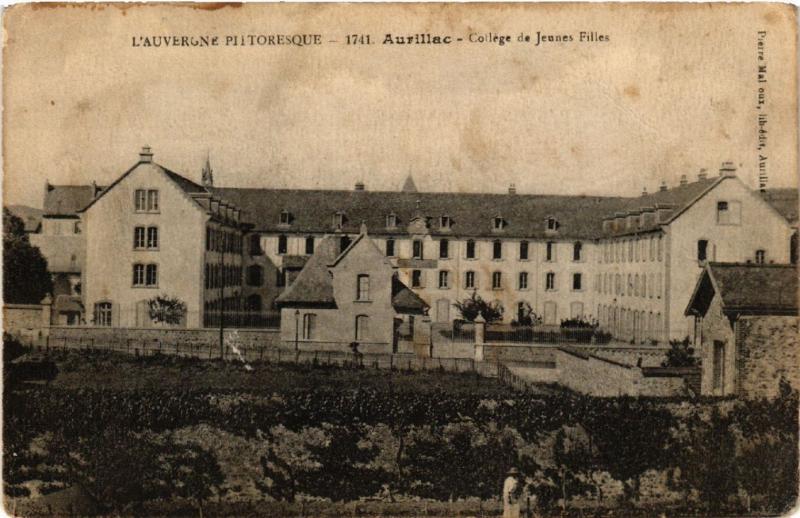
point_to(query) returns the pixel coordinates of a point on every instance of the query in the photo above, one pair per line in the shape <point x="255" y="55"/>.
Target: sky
<point x="673" y="90"/>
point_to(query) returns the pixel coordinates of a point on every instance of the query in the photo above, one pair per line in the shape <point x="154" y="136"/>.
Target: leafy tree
<point x="25" y="276"/>
<point x="166" y="310"/>
<point x="573" y="465"/>
<point x="680" y="354"/>
<point x="473" y="306"/>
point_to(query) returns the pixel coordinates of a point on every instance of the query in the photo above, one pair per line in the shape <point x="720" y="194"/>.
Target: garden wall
<point x="768" y="349"/>
<point x="136" y="337"/>
<point x="24" y="321"/>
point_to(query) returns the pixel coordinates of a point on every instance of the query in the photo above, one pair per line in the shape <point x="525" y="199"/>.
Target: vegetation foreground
<point x="102" y="433"/>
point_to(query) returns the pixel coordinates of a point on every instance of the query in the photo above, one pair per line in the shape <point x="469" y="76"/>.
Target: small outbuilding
<point x="346" y="296"/>
<point x="746" y="325"/>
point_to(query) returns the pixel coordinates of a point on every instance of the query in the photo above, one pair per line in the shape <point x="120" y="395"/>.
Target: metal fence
<point x="243" y="319"/>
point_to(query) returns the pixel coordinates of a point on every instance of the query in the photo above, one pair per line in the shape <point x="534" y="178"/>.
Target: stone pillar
<point x="422" y="336"/>
<point x="480" y="333"/>
<point x="47" y="315"/>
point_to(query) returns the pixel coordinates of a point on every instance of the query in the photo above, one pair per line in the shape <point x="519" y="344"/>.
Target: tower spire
<point x="408" y="185"/>
<point x="208" y="173"/>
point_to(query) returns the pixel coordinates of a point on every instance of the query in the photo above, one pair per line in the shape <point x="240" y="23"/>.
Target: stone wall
<point x="133" y="337"/>
<point x="24" y="321"/>
<point x="589" y="374"/>
<point x="630" y="355"/>
<point x="768" y="349"/>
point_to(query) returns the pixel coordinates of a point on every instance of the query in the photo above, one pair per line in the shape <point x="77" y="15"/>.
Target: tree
<point x="680" y="354"/>
<point x="473" y="306"/>
<point x="25" y="276"/>
<point x="166" y="310"/>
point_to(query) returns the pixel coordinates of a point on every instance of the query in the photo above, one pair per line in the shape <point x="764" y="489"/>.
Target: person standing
<point x="511" y="494"/>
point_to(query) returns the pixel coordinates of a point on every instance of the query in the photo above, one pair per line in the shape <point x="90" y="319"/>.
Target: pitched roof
<point x="747" y="288"/>
<point x="404" y="300"/>
<point x="470" y="214"/>
<point x="313" y="285"/>
<point x="31" y="216"/>
<point x="63" y="253"/>
<point x="67" y="200"/>
<point x="409" y="185"/>
<point x="785" y="201"/>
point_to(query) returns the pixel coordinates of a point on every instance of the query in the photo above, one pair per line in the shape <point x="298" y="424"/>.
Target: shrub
<point x="680" y="354"/>
<point x="473" y="306"/>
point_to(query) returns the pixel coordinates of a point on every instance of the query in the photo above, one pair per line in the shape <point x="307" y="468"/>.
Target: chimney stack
<point x="146" y="156"/>
<point x="683" y="180"/>
<point x="663" y="186"/>
<point x="360" y="186"/>
<point x="727" y="169"/>
<point x="702" y="175"/>
<point x="512" y="189"/>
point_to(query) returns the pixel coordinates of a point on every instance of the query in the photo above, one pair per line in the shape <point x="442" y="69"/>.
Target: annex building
<point x="631" y="263"/>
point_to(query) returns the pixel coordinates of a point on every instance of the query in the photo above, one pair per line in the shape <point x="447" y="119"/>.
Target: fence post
<point x="480" y="334"/>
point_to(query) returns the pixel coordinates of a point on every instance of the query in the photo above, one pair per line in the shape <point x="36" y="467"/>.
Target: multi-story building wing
<point x="153" y="232"/>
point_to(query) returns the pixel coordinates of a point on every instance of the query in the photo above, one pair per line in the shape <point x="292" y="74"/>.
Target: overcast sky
<point x="672" y="91"/>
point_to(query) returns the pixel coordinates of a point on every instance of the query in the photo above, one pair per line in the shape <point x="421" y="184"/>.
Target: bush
<point x="473" y="306"/>
<point x="680" y="354"/>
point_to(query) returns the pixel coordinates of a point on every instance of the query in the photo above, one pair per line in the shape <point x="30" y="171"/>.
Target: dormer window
<point x="551" y="224"/>
<point x="445" y="223"/>
<point x="391" y="220"/>
<point x="498" y="223"/>
<point x="285" y="217"/>
<point x="338" y="220"/>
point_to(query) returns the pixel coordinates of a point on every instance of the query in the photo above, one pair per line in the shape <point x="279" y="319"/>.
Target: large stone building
<point x="746" y="326"/>
<point x="629" y="262"/>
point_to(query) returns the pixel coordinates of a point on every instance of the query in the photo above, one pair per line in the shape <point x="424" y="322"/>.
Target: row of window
<point x="644" y="285"/>
<point x="255" y="276"/>
<point x="222" y="241"/>
<point x="146" y="200"/>
<point x="470" y="251"/>
<point x="361" y="328"/>
<point x="630" y="322"/>
<point x="471" y="280"/>
<point x="219" y="276"/>
<point x="445" y="222"/>
<point x="632" y="250"/>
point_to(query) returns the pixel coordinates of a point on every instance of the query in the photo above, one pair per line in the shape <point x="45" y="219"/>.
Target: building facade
<point x="628" y="262"/>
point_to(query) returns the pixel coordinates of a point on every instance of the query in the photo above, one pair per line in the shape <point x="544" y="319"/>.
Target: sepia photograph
<point x="518" y="260"/>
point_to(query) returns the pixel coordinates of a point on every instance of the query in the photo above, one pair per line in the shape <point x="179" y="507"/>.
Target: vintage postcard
<point x="519" y="260"/>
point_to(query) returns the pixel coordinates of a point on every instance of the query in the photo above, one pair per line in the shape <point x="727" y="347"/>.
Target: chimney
<point x="727" y="169"/>
<point x="683" y="180"/>
<point x="146" y="156"/>
<point x="702" y="175"/>
<point x="663" y="186"/>
<point x="360" y="186"/>
<point x="512" y="189"/>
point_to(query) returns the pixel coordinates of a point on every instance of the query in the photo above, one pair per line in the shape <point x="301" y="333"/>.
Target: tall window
<point x="140" y="200"/>
<point x="498" y="223"/>
<point x="152" y="237"/>
<point x="552" y="224"/>
<point x="310" y="245"/>
<point x="577" y="248"/>
<point x="139" y="237"/>
<point x="138" y="275"/>
<point x="309" y="326"/>
<point x="285" y="217"/>
<point x="469" y="280"/>
<point x="523" y="250"/>
<point x="102" y="314"/>
<point x="660" y="248"/>
<point x="497" y="280"/>
<point x="760" y="256"/>
<point x="445" y="222"/>
<point x="152" y="200"/>
<point x="283" y="244"/>
<point x="362" y="288"/>
<point x="255" y="275"/>
<point x="390" y="247"/>
<point x="550" y="281"/>
<point x="630" y="285"/>
<point x="652" y="248"/>
<point x="577" y="281"/>
<point x="416" y="278"/>
<point x="497" y="249"/>
<point x="702" y="249"/>
<point x="338" y="220"/>
<point x="255" y="245"/>
<point x="391" y="221"/>
<point x="470" y="249"/>
<point x="550" y="254"/>
<point x="444" y="249"/>
<point x="444" y="279"/>
<point x="417" y="249"/>
<point x="362" y="327"/>
<point x="523" y="281"/>
<point x="151" y="275"/>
